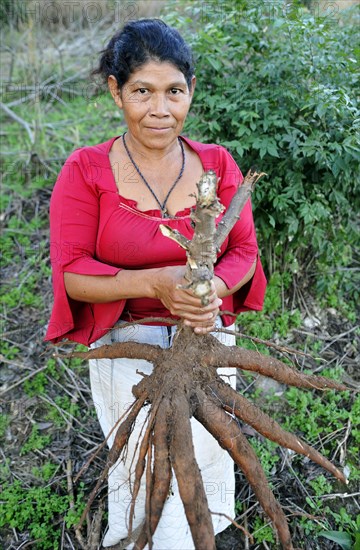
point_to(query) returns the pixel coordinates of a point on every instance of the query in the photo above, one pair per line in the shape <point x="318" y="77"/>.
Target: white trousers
<point x="111" y="385"/>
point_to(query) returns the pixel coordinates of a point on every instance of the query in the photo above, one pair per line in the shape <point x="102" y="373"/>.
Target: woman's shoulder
<point x="215" y="156"/>
<point x="210" y="151"/>
<point x="203" y="147"/>
<point x="97" y="153"/>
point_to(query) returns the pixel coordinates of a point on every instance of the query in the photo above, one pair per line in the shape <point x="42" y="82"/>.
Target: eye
<point x="142" y="91"/>
<point x="175" y="91"/>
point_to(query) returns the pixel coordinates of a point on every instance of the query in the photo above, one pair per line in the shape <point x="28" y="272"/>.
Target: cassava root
<point x="184" y="383"/>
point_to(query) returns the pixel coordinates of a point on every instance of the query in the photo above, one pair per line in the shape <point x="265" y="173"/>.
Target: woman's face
<point x="155" y="101"/>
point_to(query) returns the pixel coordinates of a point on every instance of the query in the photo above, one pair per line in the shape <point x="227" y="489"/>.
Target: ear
<point x="192" y="86"/>
<point x="114" y="90"/>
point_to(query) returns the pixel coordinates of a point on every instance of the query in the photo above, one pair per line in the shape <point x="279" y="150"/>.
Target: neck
<point x="149" y="154"/>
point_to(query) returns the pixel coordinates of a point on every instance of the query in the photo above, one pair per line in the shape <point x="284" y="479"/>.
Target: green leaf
<point x="240" y="150"/>
<point x="310" y="503"/>
<point x="271" y="220"/>
<point x="215" y="63"/>
<point x="272" y="150"/>
<point x="342" y="539"/>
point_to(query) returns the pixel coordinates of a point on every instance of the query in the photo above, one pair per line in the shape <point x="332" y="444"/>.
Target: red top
<point x="96" y="231"/>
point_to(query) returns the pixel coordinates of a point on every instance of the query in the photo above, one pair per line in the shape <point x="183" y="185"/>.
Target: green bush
<point x="276" y="85"/>
<point x="10" y="12"/>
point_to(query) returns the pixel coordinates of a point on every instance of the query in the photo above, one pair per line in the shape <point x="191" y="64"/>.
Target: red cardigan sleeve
<point x="241" y="250"/>
<point x="74" y="216"/>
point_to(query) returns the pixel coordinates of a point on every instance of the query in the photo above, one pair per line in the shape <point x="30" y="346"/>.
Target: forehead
<point x="155" y="72"/>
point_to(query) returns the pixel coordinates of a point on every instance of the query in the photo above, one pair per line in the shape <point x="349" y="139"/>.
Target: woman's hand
<point x="183" y="303"/>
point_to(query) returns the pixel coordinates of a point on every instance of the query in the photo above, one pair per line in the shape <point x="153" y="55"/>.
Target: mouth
<point x="156" y="129"/>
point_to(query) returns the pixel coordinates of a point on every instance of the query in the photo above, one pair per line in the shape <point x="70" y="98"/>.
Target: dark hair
<point x="139" y="42"/>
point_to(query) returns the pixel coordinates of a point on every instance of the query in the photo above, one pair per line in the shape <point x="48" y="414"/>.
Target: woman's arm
<point x="97" y="289"/>
<point x="222" y="290"/>
<point x="84" y="286"/>
<point x="161" y="283"/>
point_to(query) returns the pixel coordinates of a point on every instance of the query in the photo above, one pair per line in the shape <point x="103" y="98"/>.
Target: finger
<point x="198" y="317"/>
<point x="204" y="329"/>
<point x="206" y="320"/>
<point x="190" y="298"/>
<point x="214" y="304"/>
<point x="193" y="312"/>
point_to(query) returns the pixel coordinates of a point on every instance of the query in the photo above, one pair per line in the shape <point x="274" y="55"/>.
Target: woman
<point x="111" y="263"/>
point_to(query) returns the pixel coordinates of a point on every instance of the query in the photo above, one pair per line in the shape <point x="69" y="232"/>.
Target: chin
<point x="161" y="140"/>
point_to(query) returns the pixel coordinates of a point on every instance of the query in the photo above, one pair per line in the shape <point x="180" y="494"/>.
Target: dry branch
<point x="237" y="204"/>
<point x="121" y="438"/>
<point x="20" y="120"/>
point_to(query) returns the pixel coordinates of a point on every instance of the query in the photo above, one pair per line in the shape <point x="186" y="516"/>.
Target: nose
<point x="159" y="105"/>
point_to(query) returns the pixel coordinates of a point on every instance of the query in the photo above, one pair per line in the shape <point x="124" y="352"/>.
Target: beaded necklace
<point x="164" y="212"/>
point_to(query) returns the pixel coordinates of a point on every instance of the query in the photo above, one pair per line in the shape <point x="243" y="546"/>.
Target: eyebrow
<point x="177" y="84"/>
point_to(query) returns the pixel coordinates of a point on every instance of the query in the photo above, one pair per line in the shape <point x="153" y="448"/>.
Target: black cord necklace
<point x="164" y="212"/>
